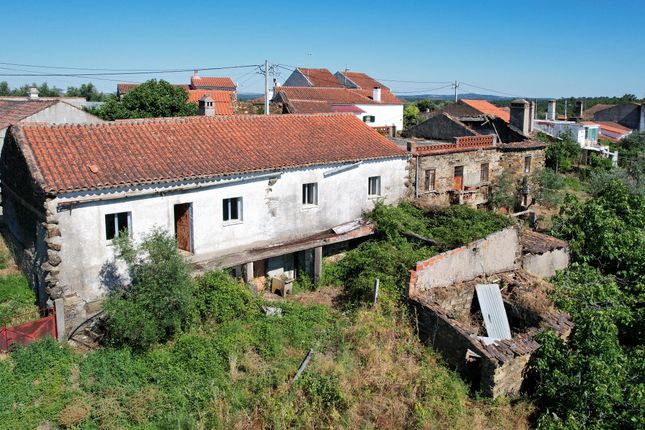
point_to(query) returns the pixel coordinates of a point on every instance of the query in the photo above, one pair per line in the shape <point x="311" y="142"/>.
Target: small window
<point x="369" y="118"/>
<point x="429" y="181"/>
<point x="483" y="174"/>
<point x="310" y="194"/>
<point x="527" y="164"/>
<point x="232" y="209"/>
<point x="374" y="186"/>
<point x="117" y="223"/>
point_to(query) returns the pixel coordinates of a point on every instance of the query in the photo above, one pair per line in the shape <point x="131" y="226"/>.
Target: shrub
<point x="562" y="154"/>
<point x="160" y="300"/>
<point x="323" y="391"/>
<point x="221" y="298"/>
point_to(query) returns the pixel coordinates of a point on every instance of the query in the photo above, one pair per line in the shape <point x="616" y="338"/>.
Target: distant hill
<point x="249" y="96"/>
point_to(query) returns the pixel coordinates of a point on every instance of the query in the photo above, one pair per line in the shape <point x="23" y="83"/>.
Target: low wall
<point x="547" y="264"/>
<point x="497" y="252"/>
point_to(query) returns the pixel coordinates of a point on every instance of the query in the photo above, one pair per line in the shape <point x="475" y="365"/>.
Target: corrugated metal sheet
<point x="492" y="307"/>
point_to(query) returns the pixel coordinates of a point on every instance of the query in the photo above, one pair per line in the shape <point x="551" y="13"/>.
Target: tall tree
<point x="151" y="99"/>
<point x="89" y="91"/>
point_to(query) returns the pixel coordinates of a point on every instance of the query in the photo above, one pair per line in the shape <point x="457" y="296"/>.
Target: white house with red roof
<point x="318" y="90"/>
<point x="266" y="196"/>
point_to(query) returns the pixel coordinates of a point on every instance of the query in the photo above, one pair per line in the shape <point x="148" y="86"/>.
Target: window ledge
<point x="374" y="196"/>
<point x="232" y="222"/>
<point x="308" y="207"/>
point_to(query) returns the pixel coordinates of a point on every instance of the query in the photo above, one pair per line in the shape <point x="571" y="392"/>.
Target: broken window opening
<point x="483" y="175"/>
<point x="429" y="182"/>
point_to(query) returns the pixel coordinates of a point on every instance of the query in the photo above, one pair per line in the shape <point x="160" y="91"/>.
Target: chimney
<point x="412" y="147"/>
<point x="206" y="106"/>
<point x="376" y="94"/>
<point x="532" y="109"/>
<point x="520" y="117"/>
<point x="550" y="113"/>
<point x="579" y="109"/>
<point x="33" y="93"/>
<point x="641" y="124"/>
<point x="196" y="74"/>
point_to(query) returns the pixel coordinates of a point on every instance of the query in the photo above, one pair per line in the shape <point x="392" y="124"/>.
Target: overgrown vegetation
<point x="563" y="153"/>
<point x="597" y="380"/>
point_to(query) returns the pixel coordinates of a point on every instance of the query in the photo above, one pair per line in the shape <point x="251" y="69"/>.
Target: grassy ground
<point x="369" y="371"/>
<point x="17" y="300"/>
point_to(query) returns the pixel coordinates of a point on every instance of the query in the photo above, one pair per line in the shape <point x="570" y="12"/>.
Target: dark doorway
<point x="183" y="226"/>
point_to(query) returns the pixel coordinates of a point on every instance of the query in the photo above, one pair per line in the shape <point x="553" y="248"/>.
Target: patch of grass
<point x="17" y="300"/>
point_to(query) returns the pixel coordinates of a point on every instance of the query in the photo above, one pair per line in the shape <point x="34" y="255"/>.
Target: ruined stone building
<point x="457" y="153"/>
<point x="262" y="195"/>
<point x="481" y="305"/>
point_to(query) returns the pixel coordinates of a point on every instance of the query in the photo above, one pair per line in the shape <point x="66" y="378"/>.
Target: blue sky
<point x="530" y="48"/>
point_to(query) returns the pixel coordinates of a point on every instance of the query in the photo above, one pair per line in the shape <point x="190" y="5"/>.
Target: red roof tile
<point x="214" y="82"/>
<point x="310" y="106"/>
<point x="134" y="152"/>
<point x="223" y="100"/>
<point x="611" y="126"/>
<point x="13" y="111"/>
<point x="320" y="78"/>
<point x="363" y="81"/>
<point x="488" y="108"/>
<point x="336" y="96"/>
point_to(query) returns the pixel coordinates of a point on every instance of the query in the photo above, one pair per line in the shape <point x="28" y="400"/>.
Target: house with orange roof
<point x="318" y="90"/>
<point x="263" y="196"/>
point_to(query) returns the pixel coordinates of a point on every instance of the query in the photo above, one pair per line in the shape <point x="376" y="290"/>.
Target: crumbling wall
<point x="498" y="252"/>
<point x="546" y="264"/>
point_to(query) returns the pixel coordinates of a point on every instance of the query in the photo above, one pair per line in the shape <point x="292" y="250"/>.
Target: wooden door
<point x="458" y="179"/>
<point x="182" y="226"/>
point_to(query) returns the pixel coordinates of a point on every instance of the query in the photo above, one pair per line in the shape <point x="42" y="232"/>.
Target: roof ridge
<point x="174" y="119"/>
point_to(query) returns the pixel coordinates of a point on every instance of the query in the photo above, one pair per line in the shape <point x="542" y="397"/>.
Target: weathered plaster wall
<point x="498" y="252"/>
<point x="547" y="264"/>
<point x="272" y="213"/>
<point x="444" y="165"/>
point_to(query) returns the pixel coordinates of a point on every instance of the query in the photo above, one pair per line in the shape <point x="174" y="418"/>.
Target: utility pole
<point x="455" y="85"/>
<point x="266" y="87"/>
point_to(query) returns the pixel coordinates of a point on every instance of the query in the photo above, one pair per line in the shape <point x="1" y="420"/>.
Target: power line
<point x="79" y="76"/>
<point x="489" y="89"/>
<point x="422" y="91"/>
<point x="413" y="82"/>
<point x="146" y="72"/>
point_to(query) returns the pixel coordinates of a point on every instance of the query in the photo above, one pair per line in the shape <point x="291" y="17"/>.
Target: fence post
<point x="59" y="310"/>
<point x="376" y="288"/>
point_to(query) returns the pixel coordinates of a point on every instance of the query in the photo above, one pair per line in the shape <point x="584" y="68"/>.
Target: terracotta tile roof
<point x="347" y="108"/>
<point x="124" y="88"/>
<point x="537" y="243"/>
<point x="320" y="78"/>
<point x="223" y="100"/>
<point x="12" y="112"/>
<point x="363" y="81"/>
<point x="611" y="126"/>
<point x="488" y="108"/>
<point x="218" y="82"/>
<point x="336" y="96"/>
<point x="79" y="157"/>
<point x="310" y="106"/>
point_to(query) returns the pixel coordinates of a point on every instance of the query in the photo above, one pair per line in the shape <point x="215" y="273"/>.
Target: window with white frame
<point x="374" y="186"/>
<point x="310" y="193"/>
<point x="117" y="223"/>
<point x="369" y="118"/>
<point x="232" y="209"/>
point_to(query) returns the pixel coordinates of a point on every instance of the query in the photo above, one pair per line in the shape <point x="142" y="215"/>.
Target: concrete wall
<point x="626" y="114"/>
<point x="272" y="213"/>
<point x="444" y="165"/>
<point x="547" y="264"/>
<point x="497" y="252"/>
<point x="384" y="115"/>
<point x="439" y="127"/>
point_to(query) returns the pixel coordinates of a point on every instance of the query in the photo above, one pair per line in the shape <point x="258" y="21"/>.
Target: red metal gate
<point x="28" y="332"/>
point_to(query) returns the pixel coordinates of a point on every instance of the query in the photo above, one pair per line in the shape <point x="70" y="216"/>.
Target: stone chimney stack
<point x="33" y="93"/>
<point x="641" y="124"/>
<point x="206" y="106"/>
<point x="532" y="110"/>
<point x="520" y="116"/>
<point x="376" y="94"/>
<point x="579" y="109"/>
<point x="550" y="113"/>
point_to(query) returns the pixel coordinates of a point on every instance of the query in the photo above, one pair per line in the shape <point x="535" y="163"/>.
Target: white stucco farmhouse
<point x="262" y="195"/>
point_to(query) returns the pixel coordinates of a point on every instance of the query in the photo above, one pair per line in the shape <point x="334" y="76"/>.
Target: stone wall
<point x="498" y="252"/>
<point x="444" y="165"/>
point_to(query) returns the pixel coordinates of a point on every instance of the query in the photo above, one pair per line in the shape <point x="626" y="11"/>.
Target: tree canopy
<point x="151" y="99"/>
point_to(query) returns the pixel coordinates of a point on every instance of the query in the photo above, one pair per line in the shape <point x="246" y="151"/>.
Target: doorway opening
<point x="183" y="226"/>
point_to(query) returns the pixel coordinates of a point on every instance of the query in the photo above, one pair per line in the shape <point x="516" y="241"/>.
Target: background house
<point x="262" y="195"/>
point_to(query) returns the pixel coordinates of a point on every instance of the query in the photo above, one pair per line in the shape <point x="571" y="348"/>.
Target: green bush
<point x="16" y="298"/>
<point x="221" y="298"/>
<point x="563" y="154"/>
<point x="322" y="391"/>
<point x="160" y="300"/>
